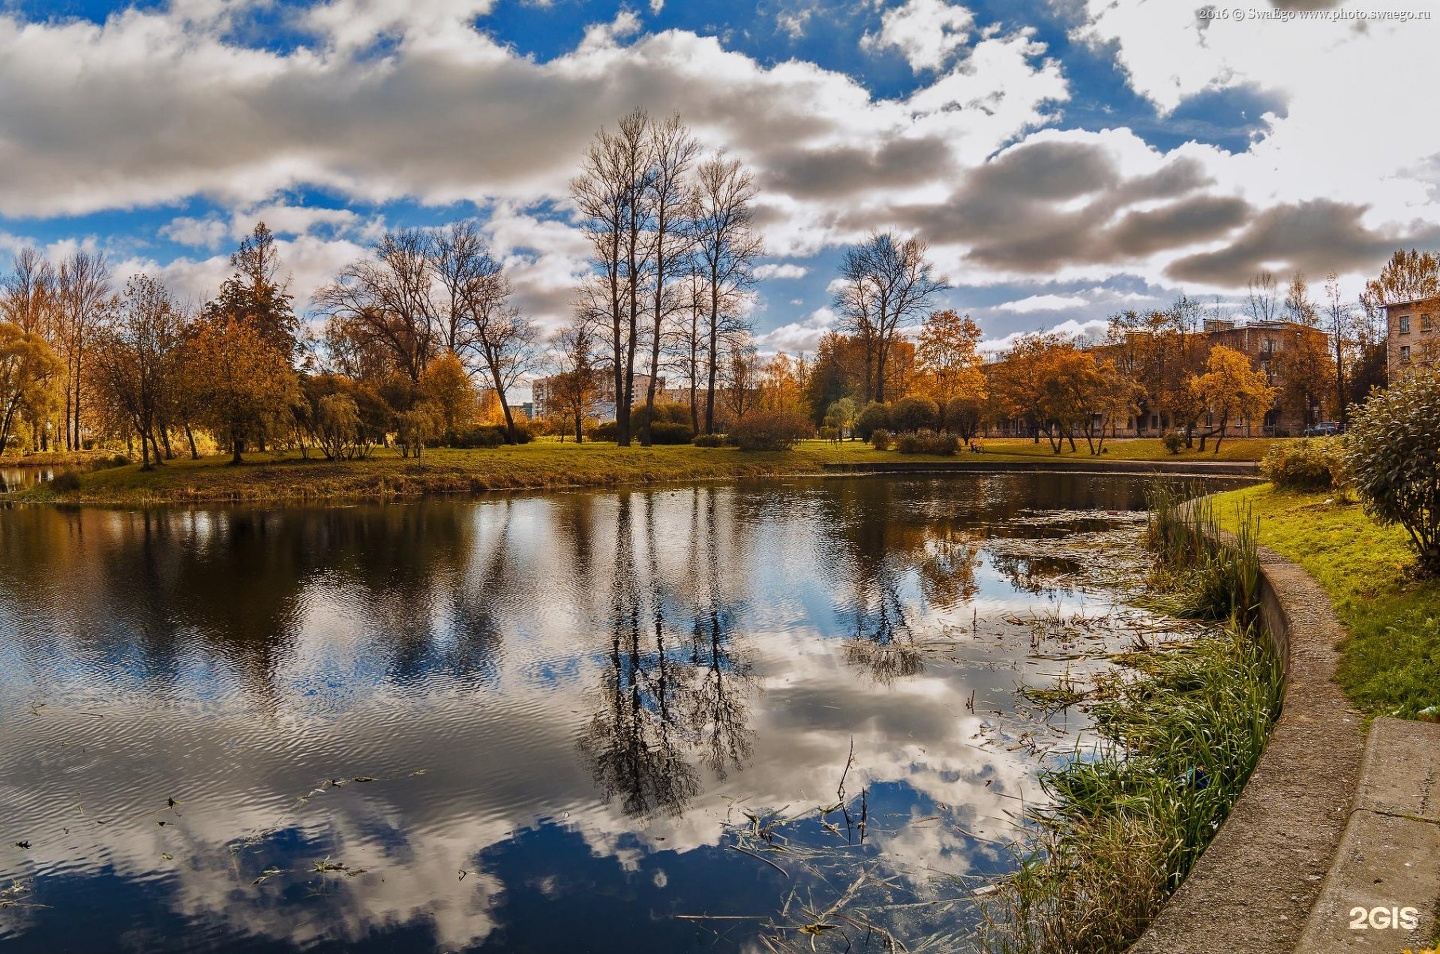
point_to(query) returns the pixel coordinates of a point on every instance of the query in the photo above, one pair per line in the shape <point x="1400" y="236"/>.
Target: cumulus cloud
<point x="780" y="270"/>
<point x="927" y="32"/>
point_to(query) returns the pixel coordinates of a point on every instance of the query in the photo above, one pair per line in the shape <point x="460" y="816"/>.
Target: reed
<point x="1177" y="736"/>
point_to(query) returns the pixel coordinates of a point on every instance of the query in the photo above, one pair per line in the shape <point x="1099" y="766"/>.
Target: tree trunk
<point x="237" y="447"/>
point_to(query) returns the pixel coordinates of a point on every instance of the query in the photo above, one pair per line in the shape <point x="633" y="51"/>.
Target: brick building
<point x="1412" y="335"/>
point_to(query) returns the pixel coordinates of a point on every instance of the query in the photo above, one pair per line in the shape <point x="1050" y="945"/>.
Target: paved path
<point x="1331" y="820"/>
<point x="1390" y="855"/>
<point x="982" y="463"/>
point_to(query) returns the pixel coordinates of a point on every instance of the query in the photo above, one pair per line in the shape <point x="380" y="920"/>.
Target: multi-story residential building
<point x="602" y="404"/>
<point x="1412" y="335"/>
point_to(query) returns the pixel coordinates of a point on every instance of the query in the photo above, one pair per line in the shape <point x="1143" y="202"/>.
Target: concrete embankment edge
<point x="1238" y="468"/>
<point x="1253" y="889"/>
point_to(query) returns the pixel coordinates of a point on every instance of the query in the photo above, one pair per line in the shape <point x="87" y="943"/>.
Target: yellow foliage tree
<point x="1232" y="391"/>
<point x="446" y="384"/>
<point x="242" y="381"/>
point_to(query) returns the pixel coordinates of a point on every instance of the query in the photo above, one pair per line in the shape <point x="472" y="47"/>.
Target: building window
<point x="1404" y="324"/>
<point x="1404" y="354"/>
<point x="1427" y="323"/>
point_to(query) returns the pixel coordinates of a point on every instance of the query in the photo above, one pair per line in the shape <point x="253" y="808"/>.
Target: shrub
<point x="875" y="417"/>
<point x="609" y="431"/>
<point x="769" y="431"/>
<point x="105" y="463"/>
<point x="523" y="434"/>
<point x="927" y="442"/>
<point x="880" y="439"/>
<point x="915" y="414"/>
<point x="67" y="481"/>
<point x="478" y="437"/>
<point x="665" y="432"/>
<point x="1174" y="441"/>
<point x="1305" y="465"/>
<point x="1394" y="461"/>
<point x="709" y="440"/>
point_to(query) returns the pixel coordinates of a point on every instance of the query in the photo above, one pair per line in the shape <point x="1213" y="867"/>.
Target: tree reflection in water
<point x="667" y="694"/>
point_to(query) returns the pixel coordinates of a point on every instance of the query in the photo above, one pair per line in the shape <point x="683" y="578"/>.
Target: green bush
<point x="875" y="417"/>
<point x="1305" y="465"/>
<point x="769" y="431"/>
<point x="67" y="481"/>
<point x="523" y="434"/>
<point x="709" y="440"/>
<point x="477" y="437"/>
<point x="665" y="432"/>
<point x="914" y="414"/>
<point x="927" y="442"/>
<point x="1393" y="458"/>
<point x="880" y="439"/>
<point x="1174" y="441"/>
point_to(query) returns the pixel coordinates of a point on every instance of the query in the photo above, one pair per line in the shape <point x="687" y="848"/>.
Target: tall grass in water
<point x="1178" y="737"/>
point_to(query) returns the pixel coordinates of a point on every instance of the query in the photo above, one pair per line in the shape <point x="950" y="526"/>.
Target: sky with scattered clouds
<point x="1064" y="159"/>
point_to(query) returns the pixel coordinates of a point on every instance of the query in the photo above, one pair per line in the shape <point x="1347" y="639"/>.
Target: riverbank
<point x="544" y="465"/>
<point x="1390" y="661"/>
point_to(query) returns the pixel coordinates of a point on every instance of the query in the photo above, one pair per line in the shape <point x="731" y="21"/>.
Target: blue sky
<point x="1065" y="159"/>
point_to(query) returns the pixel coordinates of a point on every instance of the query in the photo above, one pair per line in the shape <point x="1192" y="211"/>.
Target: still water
<point x="680" y="720"/>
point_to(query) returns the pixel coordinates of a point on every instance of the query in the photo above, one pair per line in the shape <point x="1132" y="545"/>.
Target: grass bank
<point x="545" y="464"/>
<point x="1390" y="662"/>
<point x="1180" y="729"/>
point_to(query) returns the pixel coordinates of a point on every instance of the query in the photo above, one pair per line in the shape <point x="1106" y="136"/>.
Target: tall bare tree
<point x="672" y="152"/>
<point x="726" y="247"/>
<point x="135" y="359"/>
<point x="82" y="289"/>
<point x="612" y="193"/>
<point x="1262" y="301"/>
<point x="887" y="284"/>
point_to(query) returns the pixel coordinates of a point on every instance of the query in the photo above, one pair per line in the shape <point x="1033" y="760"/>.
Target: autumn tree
<point x="446" y="384"/>
<point x="1407" y="276"/>
<point x="885" y="285"/>
<point x="382" y="309"/>
<point x="1160" y="350"/>
<point x="951" y="369"/>
<point x="574" y="388"/>
<point x="1303" y="367"/>
<point x="1232" y="391"/>
<point x="255" y="293"/>
<point x="137" y="359"/>
<point x="243" y="381"/>
<point x="28" y="369"/>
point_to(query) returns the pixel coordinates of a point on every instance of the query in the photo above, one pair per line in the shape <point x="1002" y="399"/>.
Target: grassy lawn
<point x="541" y="465"/>
<point x="1390" y="664"/>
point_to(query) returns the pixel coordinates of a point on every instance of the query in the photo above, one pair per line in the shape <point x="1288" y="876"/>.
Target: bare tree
<point x="726" y="247"/>
<point x="386" y="303"/>
<point x="574" y="386"/>
<point x="82" y="290"/>
<point x="887" y="284"/>
<point x="611" y="193"/>
<point x="673" y="151"/>
<point x="1261" y="300"/>
<point x="28" y="295"/>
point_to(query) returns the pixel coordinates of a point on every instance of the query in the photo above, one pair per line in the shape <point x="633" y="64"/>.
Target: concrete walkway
<point x="1389" y="857"/>
<point x="1330" y="822"/>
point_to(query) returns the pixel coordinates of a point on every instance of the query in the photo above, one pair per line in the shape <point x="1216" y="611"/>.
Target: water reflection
<point x="554" y="703"/>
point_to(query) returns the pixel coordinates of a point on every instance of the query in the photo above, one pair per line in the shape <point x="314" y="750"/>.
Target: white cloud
<point x="799" y="337"/>
<point x="927" y="32"/>
<point x="1043" y="303"/>
<point x="780" y="270"/>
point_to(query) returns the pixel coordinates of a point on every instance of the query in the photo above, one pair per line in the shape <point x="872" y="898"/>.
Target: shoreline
<point x="290" y="479"/>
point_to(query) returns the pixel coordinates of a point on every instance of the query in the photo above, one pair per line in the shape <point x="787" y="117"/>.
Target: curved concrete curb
<point x="1199" y="468"/>
<point x="1253" y="888"/>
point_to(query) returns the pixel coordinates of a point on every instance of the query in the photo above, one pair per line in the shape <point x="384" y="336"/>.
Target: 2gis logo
<point x="1384" y="919"/>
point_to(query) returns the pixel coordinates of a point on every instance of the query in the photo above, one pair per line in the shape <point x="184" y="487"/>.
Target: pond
<point x="749" y="717"/>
